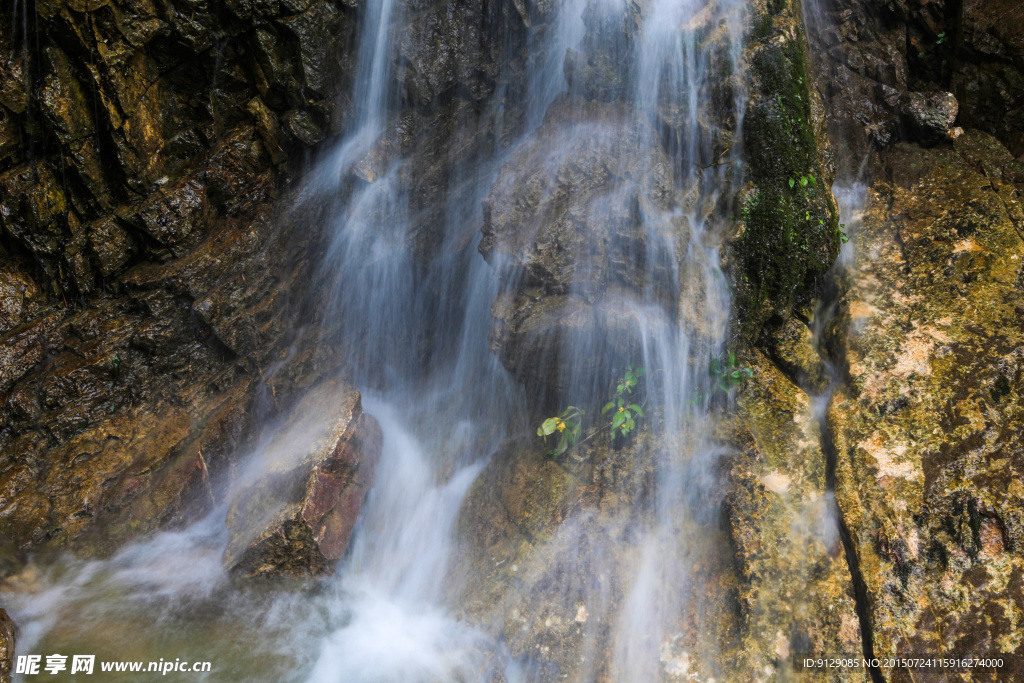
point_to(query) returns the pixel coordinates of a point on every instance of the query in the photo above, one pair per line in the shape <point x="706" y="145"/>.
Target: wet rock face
<point x="927" y="427"/>
<point x="873" y="57"/>
<point x="6" y="647"/>
<point x="788" y="235"/>
<point x="577" y="223"/>
<point x="145" y="282"/>
<point x="552" y="549"/>
<point x="795" y="592"/>
<point x="294" y="516"/>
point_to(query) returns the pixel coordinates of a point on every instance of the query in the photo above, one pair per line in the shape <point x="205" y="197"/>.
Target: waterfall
<point x="633" y="81"/>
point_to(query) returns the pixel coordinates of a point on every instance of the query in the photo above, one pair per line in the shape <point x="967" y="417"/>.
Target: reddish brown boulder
<point x="293" y="513"/>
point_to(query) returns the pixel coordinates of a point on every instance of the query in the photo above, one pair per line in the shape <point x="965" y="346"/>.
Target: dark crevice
<point x="860" y="587"/>
<point x="838" y="370"/>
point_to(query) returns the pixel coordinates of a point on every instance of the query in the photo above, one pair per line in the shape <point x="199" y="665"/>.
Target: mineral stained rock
<point x="294" y="514"/>
<point x="927" y="427"/>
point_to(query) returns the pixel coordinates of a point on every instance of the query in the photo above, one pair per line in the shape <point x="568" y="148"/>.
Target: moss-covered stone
<point x="796" y="591"/>
<point x="789" y="234"/>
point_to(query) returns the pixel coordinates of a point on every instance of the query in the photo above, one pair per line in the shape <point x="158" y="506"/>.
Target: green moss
<point x="790" y="236"/>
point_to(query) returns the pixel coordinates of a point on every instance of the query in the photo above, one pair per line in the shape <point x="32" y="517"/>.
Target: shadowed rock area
<point x="147" y="283"/>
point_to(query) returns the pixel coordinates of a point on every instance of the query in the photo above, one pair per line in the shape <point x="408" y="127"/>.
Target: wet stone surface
<point x="292" y="517"/>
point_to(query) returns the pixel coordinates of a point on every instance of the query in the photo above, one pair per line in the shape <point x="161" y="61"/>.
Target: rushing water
<point x="388" y="615"/>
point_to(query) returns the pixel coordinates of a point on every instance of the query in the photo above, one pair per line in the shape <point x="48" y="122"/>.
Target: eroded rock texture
<point x="928" y="426"/>
<point x="6" y="647"/>
<point x="145" y="283"/>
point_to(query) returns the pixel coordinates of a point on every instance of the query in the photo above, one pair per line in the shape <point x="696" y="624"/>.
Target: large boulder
<point x="928" y="117"/>
<point x="293" y="513"/>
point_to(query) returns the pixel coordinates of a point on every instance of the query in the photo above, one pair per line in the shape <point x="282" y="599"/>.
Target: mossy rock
<point x="789" y="224"/>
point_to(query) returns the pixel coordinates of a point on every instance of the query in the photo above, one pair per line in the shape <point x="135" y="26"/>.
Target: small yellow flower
<point x="621" y="409"/>
<point x="560" y="426"/>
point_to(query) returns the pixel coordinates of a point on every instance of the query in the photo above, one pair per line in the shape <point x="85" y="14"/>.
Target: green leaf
<point x="548" y="427"/>
<point x="792" y="183"/>
<point x="814" y="182"/>
<point x="803" y="181"/>
<point x="619" y="389"/>
<point x="636" y="409"/>
<point x="607" y="406"/>
<point x="618" y="419"/>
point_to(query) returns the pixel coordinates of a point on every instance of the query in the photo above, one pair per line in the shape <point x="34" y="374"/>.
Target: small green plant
<point x="728" y="372"/>
<point x="841" y="233"/>
<point x="569" y="424"/>
<point x="940" y="39"/>
<point x="803" y="181"/>
<point x="624" y="417"/>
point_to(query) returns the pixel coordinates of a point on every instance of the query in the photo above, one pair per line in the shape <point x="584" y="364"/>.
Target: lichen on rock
<point x="927" y="425"/>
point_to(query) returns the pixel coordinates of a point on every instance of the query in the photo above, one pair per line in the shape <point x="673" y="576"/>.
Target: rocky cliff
<point x="148" y="289"/>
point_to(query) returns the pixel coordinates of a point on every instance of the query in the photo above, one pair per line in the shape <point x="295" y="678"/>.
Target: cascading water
<point x="415" y="330"/>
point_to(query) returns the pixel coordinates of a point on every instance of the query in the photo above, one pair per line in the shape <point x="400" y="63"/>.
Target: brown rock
<point x="170" y="216"/>
<point x="294" y="515"/>
<point x="111" y="244"/>
<point x="6" y="647"/>
<point x="927" y="427"/>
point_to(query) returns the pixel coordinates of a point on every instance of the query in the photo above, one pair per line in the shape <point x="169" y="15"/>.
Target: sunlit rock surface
<point x="927" y="427"/>
<point x="795" y="588"/>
